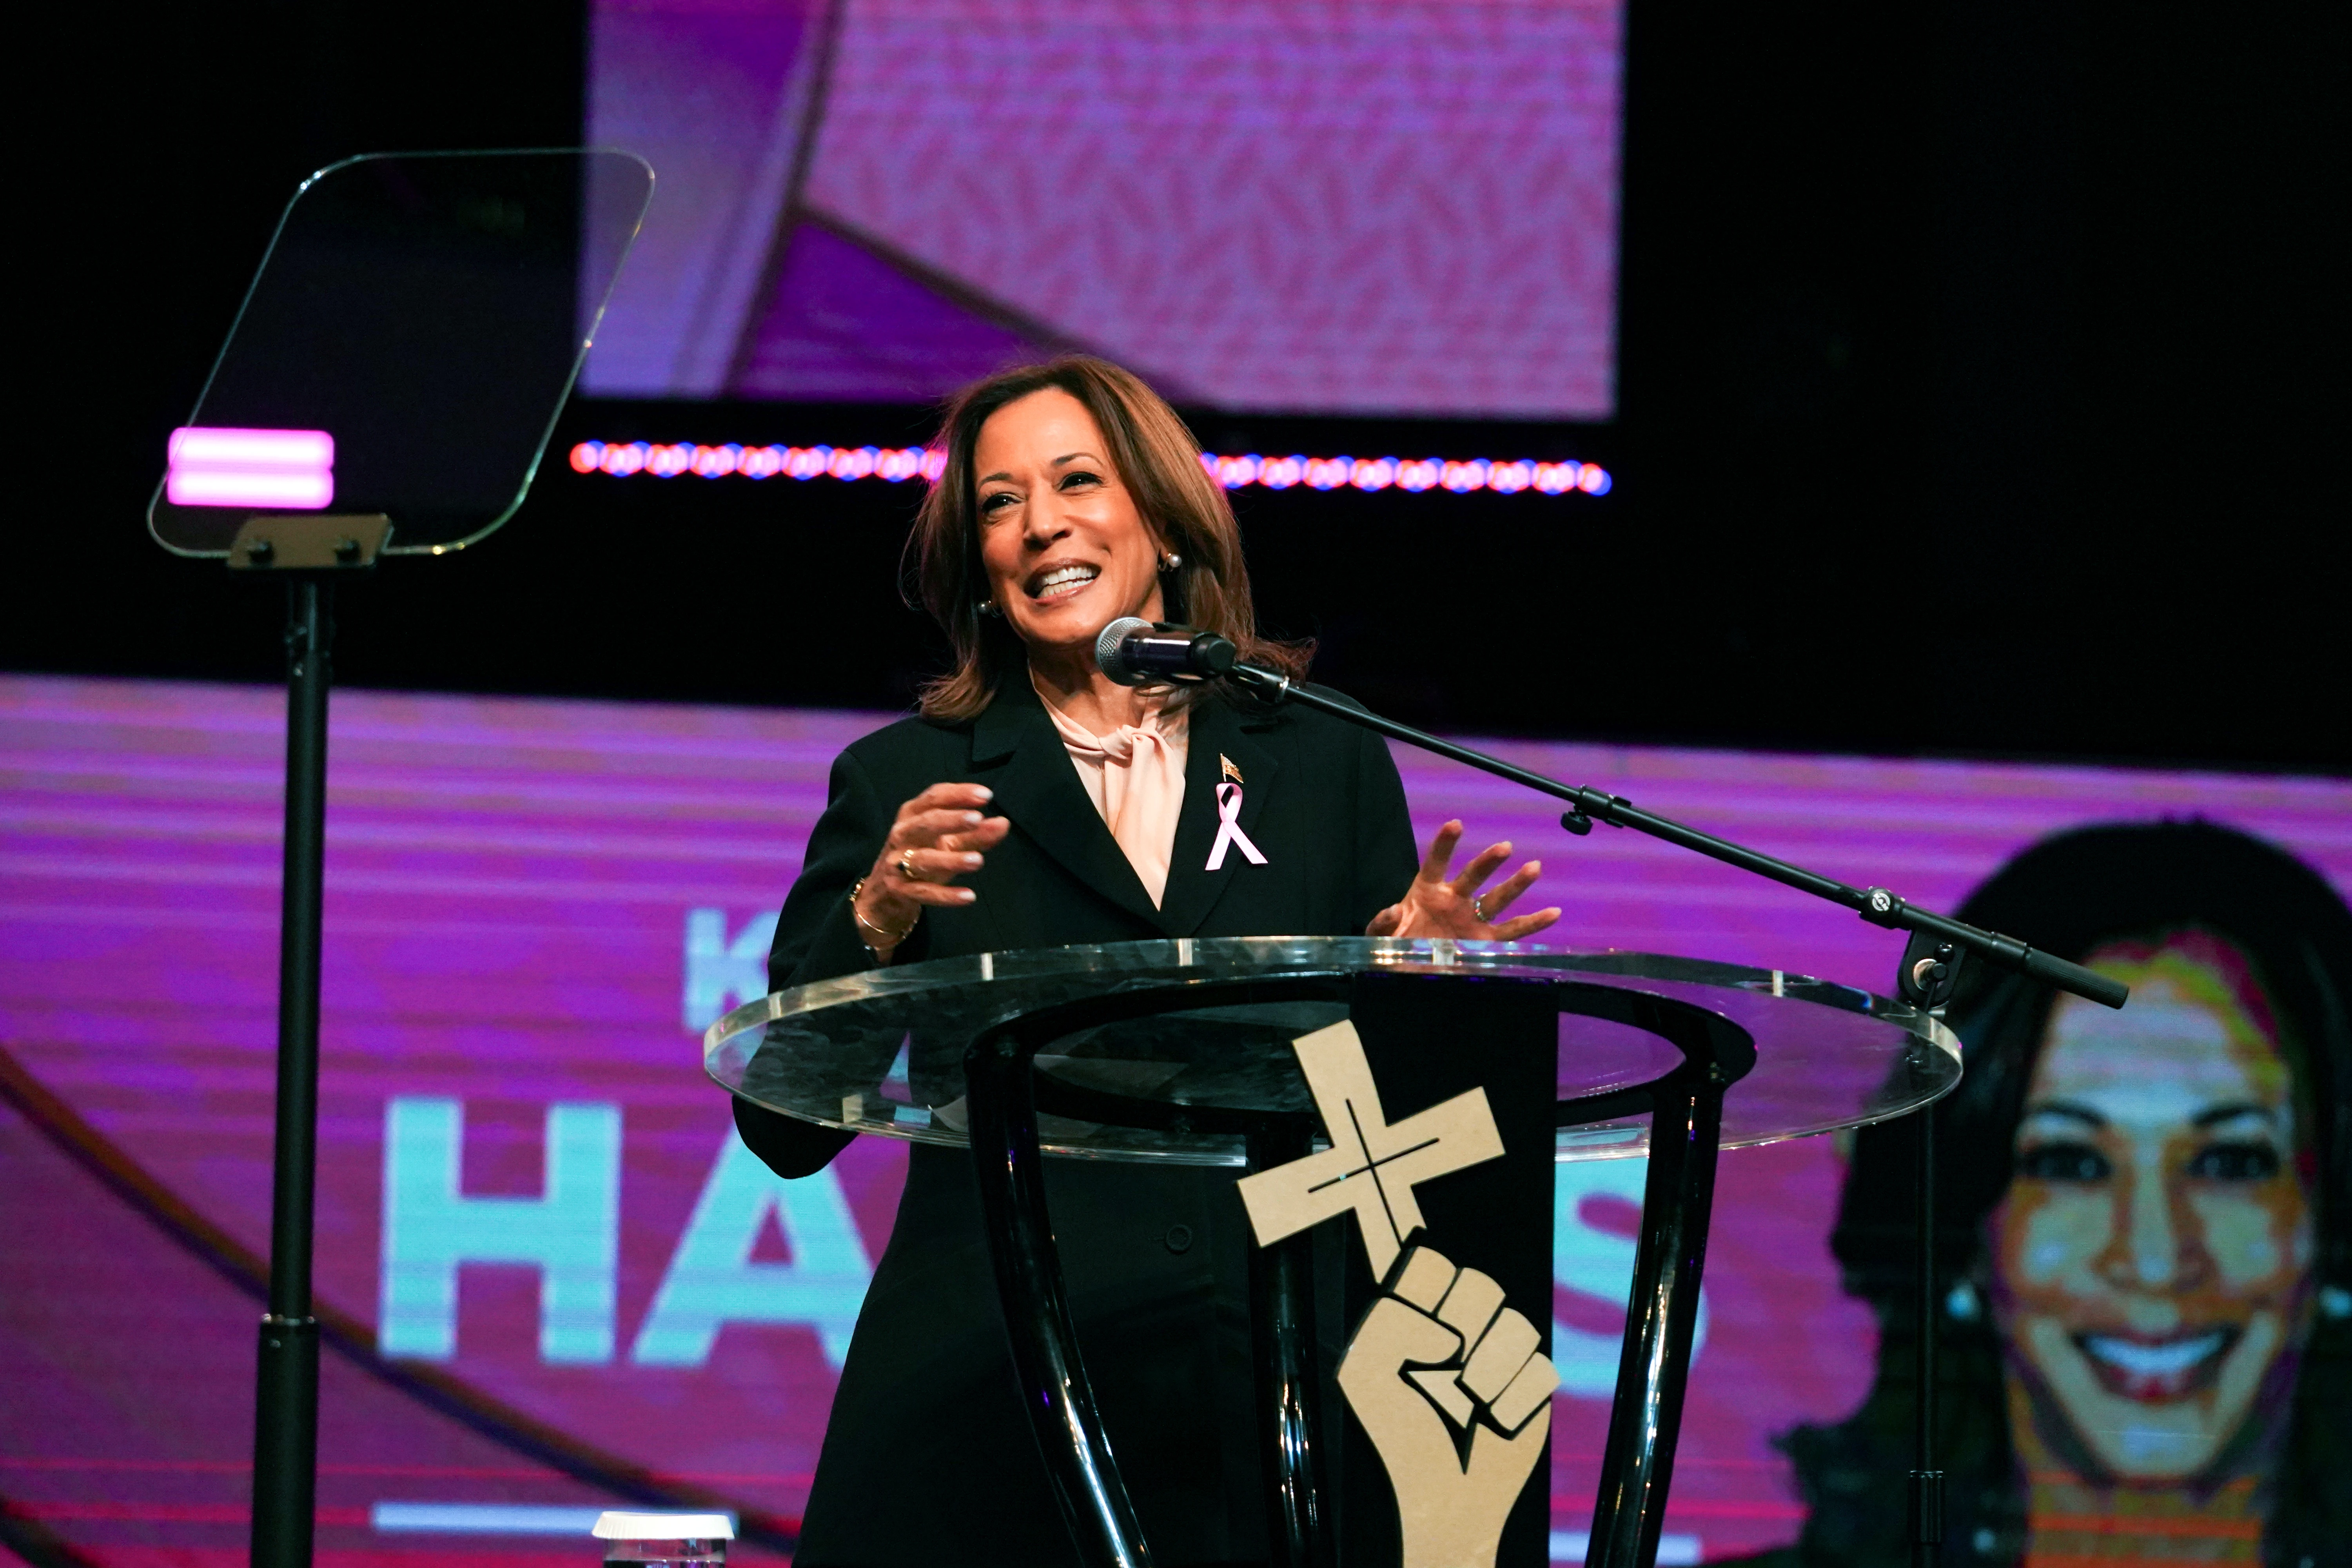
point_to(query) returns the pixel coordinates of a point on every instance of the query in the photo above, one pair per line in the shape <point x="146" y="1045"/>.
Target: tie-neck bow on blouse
<point x="1135" y="776"/>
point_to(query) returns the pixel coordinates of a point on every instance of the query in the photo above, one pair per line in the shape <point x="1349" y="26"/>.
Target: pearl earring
<point x="1174" y="561"/>
<point x="988" y="607"/>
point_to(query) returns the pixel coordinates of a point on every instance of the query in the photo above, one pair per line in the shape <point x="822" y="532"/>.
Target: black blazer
<point x="927" y="1457"/>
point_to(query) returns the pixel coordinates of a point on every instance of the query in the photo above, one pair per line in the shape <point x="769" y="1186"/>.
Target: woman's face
<point x="2153" y="1253"/>
<point x="1065" y="551"/>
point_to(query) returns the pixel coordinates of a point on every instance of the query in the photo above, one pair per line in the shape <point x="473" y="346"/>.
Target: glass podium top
<point x="882" y="1052"/>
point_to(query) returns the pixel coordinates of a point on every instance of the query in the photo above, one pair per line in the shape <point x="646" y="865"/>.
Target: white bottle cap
<point x="614" y="1526"/>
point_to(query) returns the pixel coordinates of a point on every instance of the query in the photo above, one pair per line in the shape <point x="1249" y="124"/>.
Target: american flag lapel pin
<point x="1226" y="763"/>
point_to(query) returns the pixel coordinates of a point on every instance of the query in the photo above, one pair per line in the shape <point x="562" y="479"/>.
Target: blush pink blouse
<point x="1135" y="776"/>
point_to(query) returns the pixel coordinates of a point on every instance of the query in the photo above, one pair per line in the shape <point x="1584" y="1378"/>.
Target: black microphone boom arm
<point x="1876" y="905"/>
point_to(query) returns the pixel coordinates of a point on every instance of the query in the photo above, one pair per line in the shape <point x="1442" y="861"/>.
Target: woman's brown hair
<point x="1158" y="462"/>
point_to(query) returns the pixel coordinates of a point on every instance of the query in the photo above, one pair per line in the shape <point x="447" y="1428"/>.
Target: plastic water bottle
<point x="665" y="1539"/>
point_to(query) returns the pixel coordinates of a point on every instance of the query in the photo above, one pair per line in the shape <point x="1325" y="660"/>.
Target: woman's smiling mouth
<point x="1060" y="582"/>
<point x="2144" y="1369"/>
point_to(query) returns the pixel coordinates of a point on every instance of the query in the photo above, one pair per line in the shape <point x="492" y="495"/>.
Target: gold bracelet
<point x="889" y="938"/>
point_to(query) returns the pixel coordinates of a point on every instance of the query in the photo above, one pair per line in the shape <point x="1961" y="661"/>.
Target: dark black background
<point x="1981" y="393"/>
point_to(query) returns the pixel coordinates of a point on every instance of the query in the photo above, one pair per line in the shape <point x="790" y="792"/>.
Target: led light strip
<point x="897" y="464"/>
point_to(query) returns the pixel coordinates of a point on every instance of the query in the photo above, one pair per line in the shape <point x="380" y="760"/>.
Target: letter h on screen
<point x="571" y="1233"/>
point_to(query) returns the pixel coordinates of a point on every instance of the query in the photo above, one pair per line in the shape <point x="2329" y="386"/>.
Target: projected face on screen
<point x="2153" y="1255"/>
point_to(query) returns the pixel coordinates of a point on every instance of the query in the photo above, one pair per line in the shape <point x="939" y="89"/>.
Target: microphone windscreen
<point x="1110" y="650"/>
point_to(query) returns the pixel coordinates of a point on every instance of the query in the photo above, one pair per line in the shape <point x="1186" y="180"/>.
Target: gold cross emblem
<point x="1374" y="1164"/>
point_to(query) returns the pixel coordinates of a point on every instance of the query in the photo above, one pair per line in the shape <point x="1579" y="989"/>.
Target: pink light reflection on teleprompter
<point x="224" y="467"/>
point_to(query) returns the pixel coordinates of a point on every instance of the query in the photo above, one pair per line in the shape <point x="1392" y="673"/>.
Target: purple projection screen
<point x="1349" y="207"/>
<point x="551" y="1279"/>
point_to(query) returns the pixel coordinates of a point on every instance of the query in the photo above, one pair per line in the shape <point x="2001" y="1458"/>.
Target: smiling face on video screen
<point x="1065" y="551"/>
<point x="2152" y="1258"/>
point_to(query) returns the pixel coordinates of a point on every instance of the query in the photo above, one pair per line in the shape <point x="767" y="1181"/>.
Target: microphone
<point x="1133" y="651"/>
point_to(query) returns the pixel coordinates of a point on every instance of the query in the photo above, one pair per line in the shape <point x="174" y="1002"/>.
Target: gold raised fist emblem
<point x="1456" y="1397"/>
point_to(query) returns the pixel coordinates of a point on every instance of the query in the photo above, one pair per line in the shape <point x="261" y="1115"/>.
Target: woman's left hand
<point x="1440" y="904"/>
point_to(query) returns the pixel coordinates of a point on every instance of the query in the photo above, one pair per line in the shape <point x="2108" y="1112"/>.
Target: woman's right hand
<point x="938" y="836"/>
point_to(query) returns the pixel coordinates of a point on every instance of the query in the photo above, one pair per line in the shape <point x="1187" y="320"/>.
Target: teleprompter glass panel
<point x="405" y="346"/>
<point x="882" y="1052"/>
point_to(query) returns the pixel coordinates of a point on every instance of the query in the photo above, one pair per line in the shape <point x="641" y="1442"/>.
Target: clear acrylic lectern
<point x="1422" y="1087"/>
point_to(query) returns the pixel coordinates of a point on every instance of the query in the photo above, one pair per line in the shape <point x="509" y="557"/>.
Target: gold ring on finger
<point x="906" y="867"/>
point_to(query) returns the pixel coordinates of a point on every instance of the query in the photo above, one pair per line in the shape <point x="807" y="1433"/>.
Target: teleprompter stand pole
<point x="310" y="550"/>
<point x="286" y="1406"/>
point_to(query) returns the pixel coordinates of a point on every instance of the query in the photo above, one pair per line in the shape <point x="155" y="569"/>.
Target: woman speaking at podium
<point x="1032" y="802"/>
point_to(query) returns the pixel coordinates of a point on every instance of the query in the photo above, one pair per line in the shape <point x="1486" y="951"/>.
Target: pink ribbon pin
<point x="1229" y="831"/>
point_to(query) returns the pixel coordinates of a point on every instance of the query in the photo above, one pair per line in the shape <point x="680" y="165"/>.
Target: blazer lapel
<point x="1216" y="738"/>
<point x="1038" y="789"/>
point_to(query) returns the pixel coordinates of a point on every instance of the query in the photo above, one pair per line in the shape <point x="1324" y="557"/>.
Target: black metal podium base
<point x="1429" y="1037"/>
